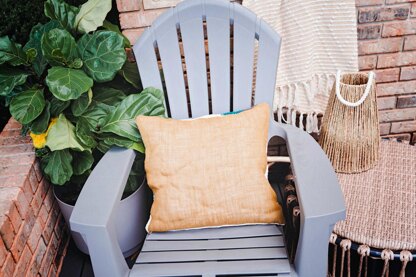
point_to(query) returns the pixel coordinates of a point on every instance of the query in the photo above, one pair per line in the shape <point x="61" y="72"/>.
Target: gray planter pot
<point x="133" y="211"/>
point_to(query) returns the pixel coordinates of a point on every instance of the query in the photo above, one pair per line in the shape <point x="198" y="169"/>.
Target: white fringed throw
<point x="318" y="38"/>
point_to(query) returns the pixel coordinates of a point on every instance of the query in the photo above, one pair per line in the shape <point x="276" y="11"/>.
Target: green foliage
<point x="92" y="15"/>
<point x="72" y="89"/>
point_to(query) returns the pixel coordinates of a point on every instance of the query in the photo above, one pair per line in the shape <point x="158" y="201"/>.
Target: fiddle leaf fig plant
<point x="71" y="87"/>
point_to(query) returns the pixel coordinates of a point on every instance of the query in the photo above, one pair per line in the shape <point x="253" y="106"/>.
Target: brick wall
<point x="387" y="44"/>
<point x="33" y="237"/>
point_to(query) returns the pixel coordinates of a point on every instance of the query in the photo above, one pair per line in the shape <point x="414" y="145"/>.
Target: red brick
<point x="408" y="73"/>
<point x="3" y="252"/>
<point x="387" y="75"/>
<point x="413" y="10"/>
<point x="13" y="170"/>
<point x="47" y="261"/>
<point x="385" y="128"/>
<point x="35" y="235"/>
<point x="398" y="1"/>
<point x="361" y="3"/>
<point x="37" y="201"/>
<point x="12" y="124"/>
<point x="23" y="264"/>
<point x="38" y="170"/>
<point x="396" y="59"/>
<point x="384" y="103"/>
<point x="406" y="101"/>
<point x="43" y="215"/>
<point x="397" y="115"/>
<point x="18" y="140"/>
<point x="52" y="272"/>
<point x="404" y="137"/>
<point x="49" y="199"/>
<point x="13" y="150"/>
<point x="409" y="43"/>
<point x="14" y="217"/>
<point x="389" y="45"/>
<point x="368" y="31"/>
<point x="37" y="258"/>
<point x="157" y="4"/>
<point x="398" y="88"/>
<point x="22" y="236"/>
<point x="8" y="267"/>
<point x="133" y="34"/>
<point x="374" y="14"/>
<point x="403" y="127"/>
<point x="33" y="180"/>
<point x="22" y="204"/>
<point x="399" y="28"/>
<point x="367" y="62"/>
<point x="7" y="133"/>
<point x="6" y="231"/>
<point x="139" y="19"/>
<point x="128" y="5"/>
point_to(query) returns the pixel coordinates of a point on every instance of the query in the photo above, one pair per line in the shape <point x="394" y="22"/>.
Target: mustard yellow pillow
<point x="209" y="171"/>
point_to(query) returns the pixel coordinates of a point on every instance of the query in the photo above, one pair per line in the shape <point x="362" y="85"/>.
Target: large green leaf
<point x="59" y="47"/>
<point x="108" y="95"/>
<point x="82" y="161"/>
<point x="40" y="124"/>
<point x="80" y="105"/>
<point x="39" y="64"/>
<point x="28" y="105"/>
<point x="67" y="83"/>
<point x="58" y="106"/>
<point x="111" y="139"/>
<point x="62" y="136"/>
<point x="11" y="77"/>
<point x="84" y="133"/>
<point x="91" y="15"/>
<point x="131" y="74"/>
<point x="62" y="12"/>
<point x="102" y="53"/>
<point x="122" y="120"/>
<point x="112" y="27"/>
<point x="12" y="52"/>
<point x="58" y="166"/>
<point x="95" y="115"/>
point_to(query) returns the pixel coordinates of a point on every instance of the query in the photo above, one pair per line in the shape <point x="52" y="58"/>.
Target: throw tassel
<point x="364" y="252"/>
<point x="405" y="257"/>
<point x="346" y="246"/>
<point x="333" y="240"/>
<point x="386" y="255"/>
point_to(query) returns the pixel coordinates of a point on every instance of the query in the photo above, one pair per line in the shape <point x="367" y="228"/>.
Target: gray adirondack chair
<point x="243" y="250"/>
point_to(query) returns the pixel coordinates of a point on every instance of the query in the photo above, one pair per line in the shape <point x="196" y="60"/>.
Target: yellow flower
<point x="39" y="141"/>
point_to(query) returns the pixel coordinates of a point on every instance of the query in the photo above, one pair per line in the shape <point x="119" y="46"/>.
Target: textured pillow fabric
<point x="209" y="171"/>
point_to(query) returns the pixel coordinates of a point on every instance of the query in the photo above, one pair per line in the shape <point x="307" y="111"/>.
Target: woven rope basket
<point x="350" y="133"/>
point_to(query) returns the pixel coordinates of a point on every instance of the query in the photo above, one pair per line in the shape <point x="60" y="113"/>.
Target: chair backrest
<point x="225" y="75"/>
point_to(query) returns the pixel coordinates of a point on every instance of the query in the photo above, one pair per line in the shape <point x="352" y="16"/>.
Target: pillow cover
<point x="209" y="171"/>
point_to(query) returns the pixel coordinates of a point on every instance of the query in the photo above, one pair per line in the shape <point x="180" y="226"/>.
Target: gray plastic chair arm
<point x="95" y="210"/>
<point x="320" y="197"/>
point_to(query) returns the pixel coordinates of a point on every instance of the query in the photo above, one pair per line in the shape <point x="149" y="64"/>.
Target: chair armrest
<point x="320" y="198"/>
<point x="95" y="211"/>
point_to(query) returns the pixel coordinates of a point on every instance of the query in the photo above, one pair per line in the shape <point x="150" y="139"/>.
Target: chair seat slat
<point x="272" y="241"/>
<point x="219" y="233"/>
<point x="213" y="255"/>
<point x="276" y="266"/>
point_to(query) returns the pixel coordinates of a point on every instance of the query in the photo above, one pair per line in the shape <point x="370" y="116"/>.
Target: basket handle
<point x="361" y="100"/>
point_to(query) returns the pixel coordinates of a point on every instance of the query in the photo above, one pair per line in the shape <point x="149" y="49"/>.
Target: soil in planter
<point x="4" y="116"/>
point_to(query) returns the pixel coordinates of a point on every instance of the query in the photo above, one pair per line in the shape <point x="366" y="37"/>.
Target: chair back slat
<point x="218" y="29"/>
<point x="166" y="35"/>
<point x="267" y="61"/>
<point x="224" y="72"/>
<point x="147" y="63"/>
<point x="244" y="41"/>
<point x="190" y="14"/>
